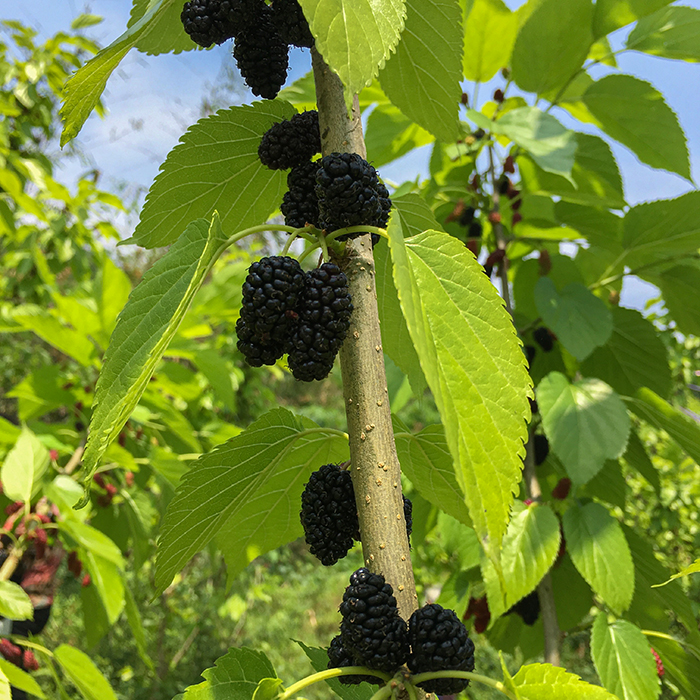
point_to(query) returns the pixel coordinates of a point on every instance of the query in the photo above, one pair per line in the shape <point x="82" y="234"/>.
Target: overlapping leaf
<point x="14" y="602"/>
<point x="20" y="679"/>
<point x="613" y="14"/>
<point x="679" y="286"/>
<point x="546" y="682"/>
<point x="390" y="135"/>
<point x="24" y="466"/>
<point x="84" y="674"/>
<point x="165" y="33"/>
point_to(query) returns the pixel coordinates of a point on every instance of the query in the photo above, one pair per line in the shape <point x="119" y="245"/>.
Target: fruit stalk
<point x="375" y="469"/>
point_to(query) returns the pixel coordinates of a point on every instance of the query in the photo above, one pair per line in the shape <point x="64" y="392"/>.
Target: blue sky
<point x="152" y="100"/>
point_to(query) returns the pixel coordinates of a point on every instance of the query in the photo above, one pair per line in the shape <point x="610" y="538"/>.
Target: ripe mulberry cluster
<point x="271" y="294"/>
<point x="291" y="142"/>
<point x="211" y="22"/>
<point x="300" y="206"/>
<point x="439" y="642"/>
<point x="291" y="23"/>
<point x="288" y="311"/>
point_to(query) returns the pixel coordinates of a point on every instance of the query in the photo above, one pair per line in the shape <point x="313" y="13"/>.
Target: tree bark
<point x="376" y="472"/>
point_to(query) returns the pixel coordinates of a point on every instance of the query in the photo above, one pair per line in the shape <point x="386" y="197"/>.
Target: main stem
<point x="376" y="472"/>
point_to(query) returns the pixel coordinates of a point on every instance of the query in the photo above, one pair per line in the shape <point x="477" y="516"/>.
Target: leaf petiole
<point x="332" y="673"/>
<point x="497" y="685"/>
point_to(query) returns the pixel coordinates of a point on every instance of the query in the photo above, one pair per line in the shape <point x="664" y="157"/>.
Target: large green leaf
<point x="596" y="177"/>
<point x="144" y="330"/>
<point x="165" y="33"/>
<point x="105" y="576"/>
<point x="489" y="35"/>
<point x="390" y="135"/>
<point x="24" y="466"/>
<point x="608" y="485"/>
<point x="648" y="406"/>
<point x="681" y="668"/>
<point x="82" y="91"/>
<point x="663" y="229"/>
<point x="473" y="364"/>
<point x="552" y="45"/>
<point x="355" y="37"/>
<point x="14" y="602"/>
<point x="585" y="422"/>
<point x="426" y="460"/>
<point x="422" y="78"/>
<point x="82" y="671"/>
<point x="234" y="676"/>
<point x="601" y="227"/>
<point x="633" y="357"/>
<point x="215" y="166"/>
<point x="530" y="547"/>
<point x="636" y="457"/>
<point x="546" y="682"/>
<point x="245" y="492"/>
<point x="635" y="113"/>
<point x="673" y="32"/>
<point x="623" y="659"/>
<point x="679" y="286"/>
<point x="612" y="14"/>
<point x="597" y="546"/>
<point x="580" y="320"/>
<point x="415" y="216"/>
<point x="20" y="679"/>
<point x="93" y="540"/>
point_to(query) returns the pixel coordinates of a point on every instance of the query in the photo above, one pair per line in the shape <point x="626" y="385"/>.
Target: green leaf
<point x="14" y="602"/>
<point x="86" y="677"/>
<point x="9" y="432"/>
<point x="679" y="287"/>
<point x="415" y="216"/>
<point x="422" y="78"/>
<point x="93" y="540"/>
<point x="612" y="14"/>
<point x="489" y="35"/>
<point x="633" y="357"/>
<point x="426" y="460"/>
<point x="580" y="320"/>
<point x="215" y="166"/>
<point x="585" y="422"/>
<point x="69" y="341"/>
<point x="391" y="135"/>
<point x="114" y="290"/>
<point x="530" y="547"/>
<point x="165" y="33"/>
<point x="20" y="679"/>
<point x="268" y="689"/>
<point x="355" y="37"/>
<point x="635" y="113"/>
<point x="665" y="228"/>
<point x="474" y="366"/>
<point x="595" y="175"/>
<point x="637" y="458"/>
<point x="245" y="492"/>
<point x="552" y="45"/>
<point x="607" y="485"/>
<point x="82" y="91"/>
<point x="105" y="576"/>
<point x="546" y="682"/>
<point x="234" y="676"/>
<point x="681" y="668"/>
<point x="84" y="21"/>
<point x="648" y="406"/>
<point x="24" y="466"/>
<point x="694" y="568"/>
<point x="673" y="32"/>
<point x="597" y="546"/>
<point x="623" y="659"/>
<point x="601" y="227"/>
<point x="550" y="144"/>
<point x="144" y="329"/>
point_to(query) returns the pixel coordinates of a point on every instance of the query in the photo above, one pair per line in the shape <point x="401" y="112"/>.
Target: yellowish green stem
<point x="497" y="685"/>
<point x="331" y="673"/>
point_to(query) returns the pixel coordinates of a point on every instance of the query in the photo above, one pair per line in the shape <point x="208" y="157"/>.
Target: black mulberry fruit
<point x="541" y="448"/>
<point x="271" y="294"/>
<point x="261" y="53"/>
<point x="543" y="338"/>
<point x="211" y="22"/>
<point x="475" y="229"/>
<point x="329" y="514"/>
<point x="528" y="608"/>
<point x="350" y="194"/>
<point x="530" y="352"/>
<point x="324" y="318"/>
<point x="291" y="142"/>
<point x="439" y="642"/>
<point x="300" y="206"/>
<point x="467" y="216"/>
<point x="338" y="657"/>
<point x="372" y="632"/>
<point x="408" y="517"/>
<point x="291" y="23"/>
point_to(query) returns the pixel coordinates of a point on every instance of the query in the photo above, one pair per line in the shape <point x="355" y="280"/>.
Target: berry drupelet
<point x="291" y="142"/>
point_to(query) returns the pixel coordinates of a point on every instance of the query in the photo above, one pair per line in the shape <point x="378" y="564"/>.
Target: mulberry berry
<point x="271" y="294"/>
<point x="350" y="194"/>
<point x="408" y="517"/>
<point x="324" y="318"/>
<point x="261" y="54"/>
<point x="439" y="642"/>
<point x="475" y="229"/>
<point x="338" y="657"/>
<point x="300" y="206"/>
<point x="528" y="608"/>
<point x="211" y="22"/>
<point x="291" y="23"/>
<point x="291" y="142"/>
<point x="543" y="338"/>
<point x="541" y="449"/>
<point x="372" y="632"/>
<point x="467" y="216"/>
<point x="530" y="352"/>
<point x="328" y="514"/>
